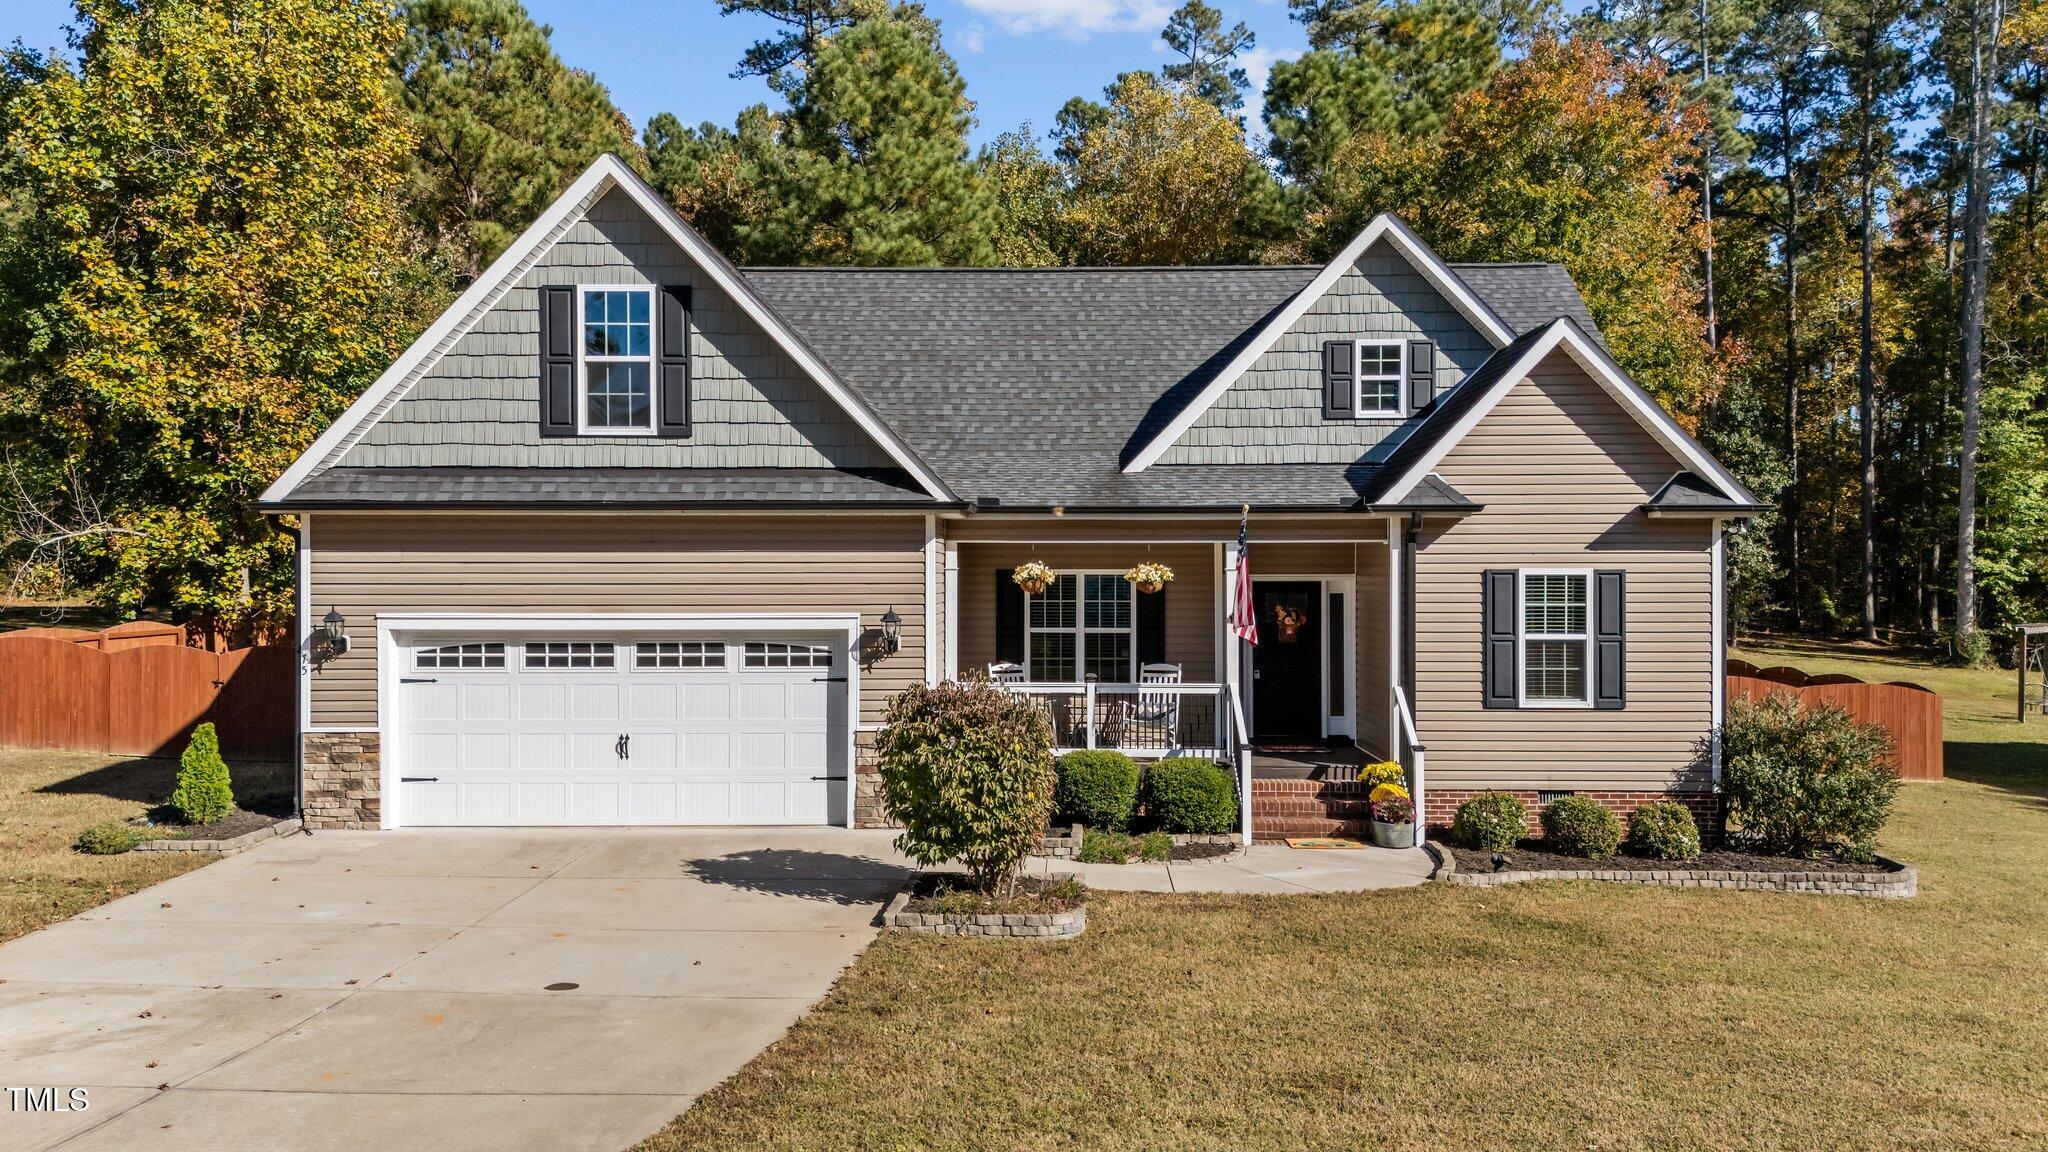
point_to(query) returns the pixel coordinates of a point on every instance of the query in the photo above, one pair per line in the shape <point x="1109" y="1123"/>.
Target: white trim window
<point x="570" y="654"/>
<point x="482" y="654"/>
<point x="1556" y="645"/>
<point x="1382" y="378"/>
<point x="1085" y="624"/>
<point x="615" y="360"/>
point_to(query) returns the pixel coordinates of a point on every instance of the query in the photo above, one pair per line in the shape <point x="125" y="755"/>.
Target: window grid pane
<point x="1554" y="670"/>
<point x="1109" y="657"/>
<point x="617" y="395"/>
<point x="774" y="654"/>
<point x="1054" y="607"/>
<point x="1052" y="655"/>
<point x="679" y="654"/>
<point x="1379" y="377"/>
<point x="1108" y="602"/>
<point x="570" y="654"/>
<point x="487" y="654"/>
<point x="1554" y="605"/>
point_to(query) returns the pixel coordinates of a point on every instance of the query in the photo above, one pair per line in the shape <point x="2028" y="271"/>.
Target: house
<point x="631" y="535"/>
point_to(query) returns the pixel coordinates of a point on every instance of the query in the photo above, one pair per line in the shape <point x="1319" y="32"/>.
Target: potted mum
<point x="1393" y="819"/>
<point x="1033" y="577"/>
<point x="1149" y="577"/>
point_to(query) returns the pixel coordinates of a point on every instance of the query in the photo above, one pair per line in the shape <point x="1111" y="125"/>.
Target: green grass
<point x="1544" y="1016"/>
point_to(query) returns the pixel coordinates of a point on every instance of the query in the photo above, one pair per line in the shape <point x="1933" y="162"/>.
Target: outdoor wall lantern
<point x="333" y="634"/>
<point x="892" y="632"/>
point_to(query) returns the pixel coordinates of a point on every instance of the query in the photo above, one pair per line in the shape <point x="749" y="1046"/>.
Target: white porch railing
<point x="1408" y="752"/>
<point x="1143" y="721"/>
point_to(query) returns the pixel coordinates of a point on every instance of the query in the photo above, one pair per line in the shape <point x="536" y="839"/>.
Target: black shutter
<point x="558" y="361"/>
<point x="1610" y="646"/>
<point x="1499" y="677"/>
<point x="672" y="369"/>
<point x="1009" y="618"/>
<point x="1421" y="373"/>
<point x="1340" y="379"/>
<point x="1151" y="626"/>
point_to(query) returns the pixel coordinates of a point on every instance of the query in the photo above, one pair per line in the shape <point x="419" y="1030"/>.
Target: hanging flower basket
<point x="1150" y="577"/>
<point x="1033" y="577"/>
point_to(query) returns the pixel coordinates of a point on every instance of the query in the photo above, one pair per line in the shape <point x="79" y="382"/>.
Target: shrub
<point x="1489" y="822"/>
<point x="1155" y="846"/>
<point x="1394" y="810"/>
<point x="966" y="770"/>
<point x="1388" y="792"/>
<point x="1575" y="826"/>
<point x="1188" y="794"/>
<point x="1101" y="847"/>
<point x="110" y="838"/>
<point x="1381" y="772"/>
<point x="204" y="794"/>
<point x="1806" y="780"/>
<point x="1663" y="831"/>
<point x="1097" y="789"/>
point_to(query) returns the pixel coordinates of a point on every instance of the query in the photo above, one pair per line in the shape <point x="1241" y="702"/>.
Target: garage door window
<point x="569" y="654"/>
<point x="489" y="654"/>
<point x="771" y="654"/>
<point x="679" y="654"/>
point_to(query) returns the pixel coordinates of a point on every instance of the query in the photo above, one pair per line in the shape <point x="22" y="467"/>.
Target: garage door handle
<point x="828" y="777"/>
<point x="417" y="680"/>
<point x="419" y="779"/>
<point x="624" y="747"/>
<point x="828" y="679"/>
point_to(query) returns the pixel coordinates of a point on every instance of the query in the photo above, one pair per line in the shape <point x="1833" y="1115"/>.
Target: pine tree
<point x="786" y="59"/>
<point x="503" y="124"/>
<point x="1208" y="65"/>
<point x="720" y="179"/>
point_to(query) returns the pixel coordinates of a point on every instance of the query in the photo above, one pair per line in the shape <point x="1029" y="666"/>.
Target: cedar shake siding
<point x="366" y="564"/>
<point x="479" y="404"/>
<point x="1562" y="471"/>
<point x="1273" y="414"/>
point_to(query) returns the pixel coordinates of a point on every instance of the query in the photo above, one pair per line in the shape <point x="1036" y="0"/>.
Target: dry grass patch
<point x="1542" y="1016"/>
<point x="47" y="798"/>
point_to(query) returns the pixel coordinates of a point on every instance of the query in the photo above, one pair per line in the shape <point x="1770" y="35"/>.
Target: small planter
<point x="1149" y="578"/>
<point x="1385" y="835"/>
<point x="1049" y="924"/>
<point x="1033" y="577"/>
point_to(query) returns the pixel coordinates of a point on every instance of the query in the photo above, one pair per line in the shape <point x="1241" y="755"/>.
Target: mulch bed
<point x="1201" y="851"/>
<point x="1529" y="856"/>
<point x="236" y="823"/>
<point x="948" y="892"/>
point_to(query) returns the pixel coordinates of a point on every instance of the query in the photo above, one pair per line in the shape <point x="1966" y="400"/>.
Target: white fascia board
<point x="604" y="174"/>
<point x="1386" y="227"/>
<point x="574" y="622"/>
<point x="1589" y="356"/>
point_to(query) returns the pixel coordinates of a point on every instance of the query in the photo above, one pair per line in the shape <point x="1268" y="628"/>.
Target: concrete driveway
<point x="432" y="989"/>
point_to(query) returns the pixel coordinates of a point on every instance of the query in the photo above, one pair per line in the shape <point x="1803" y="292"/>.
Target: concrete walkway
<point x="1268" y="868"/>
<point x="432" y="989"/>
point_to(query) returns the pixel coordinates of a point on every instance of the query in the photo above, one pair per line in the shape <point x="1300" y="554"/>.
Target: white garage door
<point x="621" y="730"/>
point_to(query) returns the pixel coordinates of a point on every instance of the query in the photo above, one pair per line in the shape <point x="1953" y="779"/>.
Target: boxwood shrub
<point x="1097" y="789"/>
<point x="1190" y="794"/>
<point x="1664" y="830"/>
<point x="1575" y="826"/>
<point x="1489" y="822"/>
<point x="1806" y="780"/>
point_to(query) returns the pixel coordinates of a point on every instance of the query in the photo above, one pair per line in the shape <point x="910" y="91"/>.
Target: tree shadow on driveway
<point x="831" y="877"/>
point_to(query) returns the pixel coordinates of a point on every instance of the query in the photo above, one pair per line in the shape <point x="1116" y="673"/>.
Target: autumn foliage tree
<point x="218" y="269"/>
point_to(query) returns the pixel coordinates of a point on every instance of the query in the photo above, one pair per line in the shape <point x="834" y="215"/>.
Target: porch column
<point x="952" y="610"/>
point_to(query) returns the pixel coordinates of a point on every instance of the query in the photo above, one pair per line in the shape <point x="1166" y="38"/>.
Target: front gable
<point x="1273" y="413"/>
<point x="478" y="405"/>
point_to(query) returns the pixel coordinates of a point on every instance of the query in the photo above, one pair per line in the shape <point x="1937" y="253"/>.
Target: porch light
<point x="892" y="631"/>
<point x="334" y="632"/>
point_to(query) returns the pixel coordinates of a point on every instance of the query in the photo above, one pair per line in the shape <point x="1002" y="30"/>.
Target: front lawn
<point x="1541" y="1016"/>
<point x="47" y="798"/>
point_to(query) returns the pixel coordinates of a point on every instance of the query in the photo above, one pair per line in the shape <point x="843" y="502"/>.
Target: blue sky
<point x="1022" y="58"/>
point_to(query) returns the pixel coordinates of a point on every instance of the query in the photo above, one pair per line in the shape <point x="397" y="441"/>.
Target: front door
<point x="1287" y="665"/>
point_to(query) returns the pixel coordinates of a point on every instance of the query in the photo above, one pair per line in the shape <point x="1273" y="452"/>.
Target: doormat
<point x="1321" y="842"/>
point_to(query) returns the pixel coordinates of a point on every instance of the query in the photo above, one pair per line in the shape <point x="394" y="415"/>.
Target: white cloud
<point x="1075" y="19"/>
<point x="975" y="38"/>
<point x="1258" y="64"/>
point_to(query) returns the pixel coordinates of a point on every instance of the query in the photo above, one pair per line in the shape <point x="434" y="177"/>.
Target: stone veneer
<point x="342" y="779"/>
<point x="867" y="784"/>
<point x="1886" y="880"/>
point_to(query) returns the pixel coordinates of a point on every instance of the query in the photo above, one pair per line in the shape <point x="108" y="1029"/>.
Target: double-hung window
<point x="1084" y="624"/>
<point x="1382" y="383"/>
<point x="616" y="373"/>
<point x="1556" y="642"/>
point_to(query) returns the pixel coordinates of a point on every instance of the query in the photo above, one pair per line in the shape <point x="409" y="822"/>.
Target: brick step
<point x="1308" y="788"/>
<point x="1276" y="808"/>
<point x="1281" y="829"/>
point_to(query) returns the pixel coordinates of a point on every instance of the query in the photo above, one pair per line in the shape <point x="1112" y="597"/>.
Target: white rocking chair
<point x="1006" y="672"/>
<point x="1156" y="714"/>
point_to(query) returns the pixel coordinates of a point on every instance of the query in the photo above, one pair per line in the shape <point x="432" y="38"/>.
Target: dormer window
<point x="616" y="369"/>
<point x="1382" y="378"/>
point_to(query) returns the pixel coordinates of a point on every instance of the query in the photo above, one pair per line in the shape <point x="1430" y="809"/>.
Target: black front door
<point x="1287" y="665"/>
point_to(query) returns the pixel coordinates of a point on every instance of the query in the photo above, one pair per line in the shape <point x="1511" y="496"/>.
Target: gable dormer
<point x="1384" y="329"/>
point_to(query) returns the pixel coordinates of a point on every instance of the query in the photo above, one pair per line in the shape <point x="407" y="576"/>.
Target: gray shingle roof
<point x="635" y="487"/>
<point x="1028" y="386"/>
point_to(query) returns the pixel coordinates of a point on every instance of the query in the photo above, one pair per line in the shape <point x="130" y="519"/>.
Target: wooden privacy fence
<point x="1910" y="713"/>
<point x="59" y="691"/>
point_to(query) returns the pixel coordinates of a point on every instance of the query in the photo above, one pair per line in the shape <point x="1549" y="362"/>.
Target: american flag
<point x="1244" y="618"/>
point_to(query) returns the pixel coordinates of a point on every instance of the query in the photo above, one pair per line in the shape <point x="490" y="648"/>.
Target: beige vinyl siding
<point x="366" y="564"/>
<point x="1190" y="600"/>
<point x="1303" y="559"/>
<point x="1374" y="687"/>
<point x="1562" y="471"/>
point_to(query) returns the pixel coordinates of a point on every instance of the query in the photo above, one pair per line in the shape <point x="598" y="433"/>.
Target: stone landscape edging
<point x="1009" y="925"/>
<point x="227" y="847"/>
<point x="1890" y="880"/>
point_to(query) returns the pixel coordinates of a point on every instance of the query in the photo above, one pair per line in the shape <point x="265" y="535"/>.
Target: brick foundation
<point x="1440" y="805"/>
<point x="342" y="779"/>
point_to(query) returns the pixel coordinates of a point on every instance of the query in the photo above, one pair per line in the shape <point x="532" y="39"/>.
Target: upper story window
<point x="616" y="385"/>
<point x="1557" y="655"/>
<point x="1382" y="383"/>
